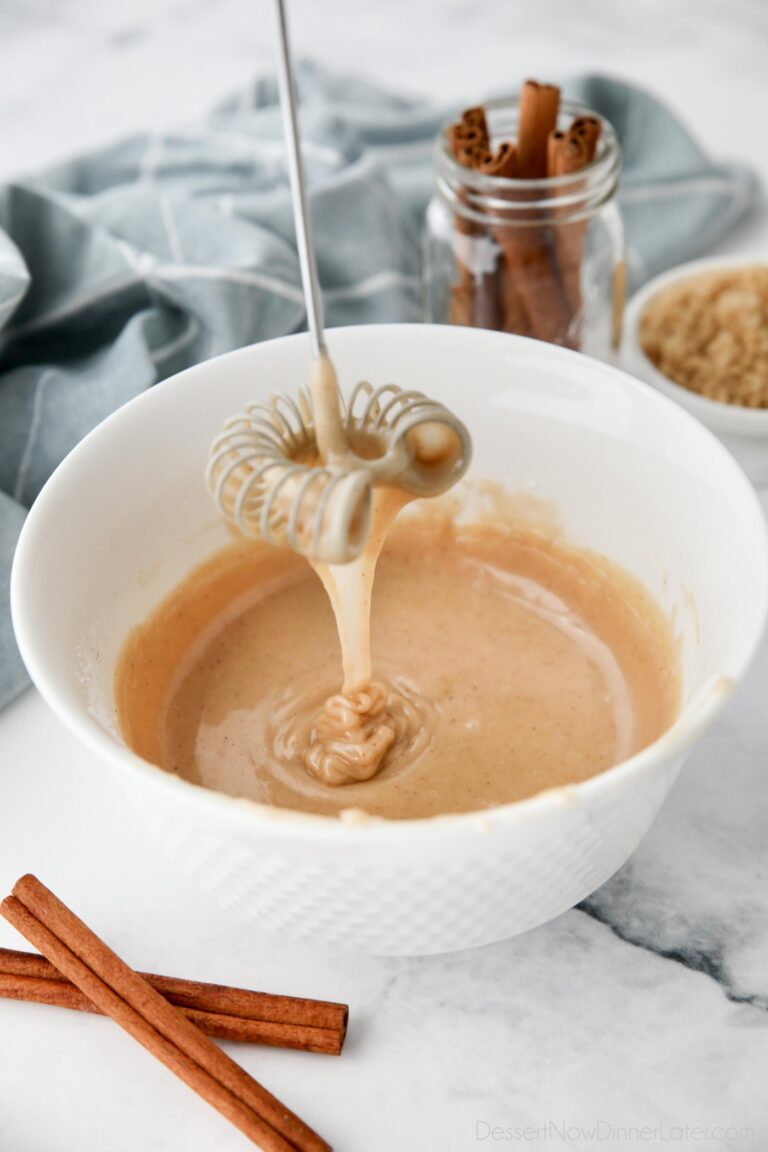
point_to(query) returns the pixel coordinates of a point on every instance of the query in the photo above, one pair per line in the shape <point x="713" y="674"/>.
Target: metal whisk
<point x="302" y="472"/>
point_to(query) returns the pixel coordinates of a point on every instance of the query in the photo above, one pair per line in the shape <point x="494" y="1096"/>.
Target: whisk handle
<point x="330" y="434"/>
<point x="305" y="244"/>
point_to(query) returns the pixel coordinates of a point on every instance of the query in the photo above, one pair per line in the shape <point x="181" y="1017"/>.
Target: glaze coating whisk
<point x="302" y="472"/>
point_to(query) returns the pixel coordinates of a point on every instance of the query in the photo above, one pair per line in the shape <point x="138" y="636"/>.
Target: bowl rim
<point x="296" y="825"/>
<point x="734" y="419"/>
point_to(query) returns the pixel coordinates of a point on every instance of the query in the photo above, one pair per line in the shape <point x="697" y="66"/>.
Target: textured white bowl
<point x="744" y="431"/>
<point x="126" y="516"/>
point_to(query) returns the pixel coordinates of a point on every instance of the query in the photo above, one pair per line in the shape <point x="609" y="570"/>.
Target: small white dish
<point x="127" y="515"/>
<point x="744" y="431"/>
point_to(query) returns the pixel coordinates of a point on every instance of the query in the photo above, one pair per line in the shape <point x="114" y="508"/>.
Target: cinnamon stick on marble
<point x="161" y="1028"/>
<point x="219" y="1011"/>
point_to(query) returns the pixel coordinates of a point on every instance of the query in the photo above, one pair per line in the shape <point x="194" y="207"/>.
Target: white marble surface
<point x="648" y="1006"/>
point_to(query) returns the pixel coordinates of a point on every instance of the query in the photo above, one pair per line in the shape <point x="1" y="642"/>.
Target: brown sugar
<point x="709" y="333"/>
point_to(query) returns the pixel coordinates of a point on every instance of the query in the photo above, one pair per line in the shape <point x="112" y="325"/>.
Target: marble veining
<point x="696" y="891"/>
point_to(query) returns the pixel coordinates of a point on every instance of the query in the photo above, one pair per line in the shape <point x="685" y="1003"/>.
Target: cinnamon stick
<point x="587" y="130"/>
<point x="569" y="152"/>
<point x="527" y="254"/>
<point x="527" y="257"/>
<point x="537" y="286"/>
<point x="566" y="152"/>
<point x="474" y="117"/>
<point x="474" y="296"/>
<point x="468" y="145"/>
<point x="513" y="316"/>
<point x="503" y="162"/>
<point x="531" y="295"/>
<point x="161" y="1028"/>
<point x="219" y="1011"/>
<point x="539" y="105"/>
<point x="619" y="298"/>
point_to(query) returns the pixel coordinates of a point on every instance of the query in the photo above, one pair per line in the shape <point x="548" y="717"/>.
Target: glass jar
<point x="542" y="258"/>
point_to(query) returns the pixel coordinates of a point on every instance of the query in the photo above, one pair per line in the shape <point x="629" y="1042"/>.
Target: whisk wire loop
<point x="264" y="475"/>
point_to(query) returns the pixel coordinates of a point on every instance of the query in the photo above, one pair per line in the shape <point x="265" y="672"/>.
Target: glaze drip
<point x="351" y="736"/>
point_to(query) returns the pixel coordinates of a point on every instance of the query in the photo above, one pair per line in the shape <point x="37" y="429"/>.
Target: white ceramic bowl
<point x="126" y="516"/>
<point x="744" y="431"/>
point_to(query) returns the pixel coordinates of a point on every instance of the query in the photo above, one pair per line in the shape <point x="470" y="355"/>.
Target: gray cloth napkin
<point x="126" y="265"/>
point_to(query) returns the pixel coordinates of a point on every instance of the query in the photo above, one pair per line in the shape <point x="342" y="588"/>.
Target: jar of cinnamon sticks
<point x="523" y="234"/>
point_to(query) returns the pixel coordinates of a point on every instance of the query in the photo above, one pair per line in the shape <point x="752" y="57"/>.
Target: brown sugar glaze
<point x="513" y="663"/>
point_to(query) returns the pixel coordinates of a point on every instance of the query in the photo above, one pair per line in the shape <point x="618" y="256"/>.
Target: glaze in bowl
<point x="630" y="474"/>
